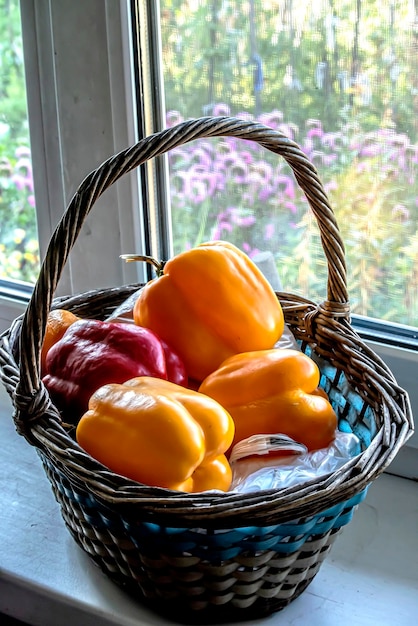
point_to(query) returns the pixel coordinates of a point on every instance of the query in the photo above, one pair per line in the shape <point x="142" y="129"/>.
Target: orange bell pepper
<point x="57" y="323"/>
<point x="209" y="303"/>
<point x="274" y="391"/>
<point x="160" y="434"/>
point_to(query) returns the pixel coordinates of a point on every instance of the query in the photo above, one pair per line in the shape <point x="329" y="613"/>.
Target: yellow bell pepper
<point x="159" y="433"/>
<point x="274" y="391"/>
<point x="209" y="303"/>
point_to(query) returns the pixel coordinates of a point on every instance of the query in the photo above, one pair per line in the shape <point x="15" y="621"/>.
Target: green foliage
<point x="19" y="254"/>
<point x="320" y="59"/>
<point x="13" y="114"/>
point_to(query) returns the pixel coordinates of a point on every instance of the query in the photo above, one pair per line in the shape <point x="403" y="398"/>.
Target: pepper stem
<point x="158" y="265"/>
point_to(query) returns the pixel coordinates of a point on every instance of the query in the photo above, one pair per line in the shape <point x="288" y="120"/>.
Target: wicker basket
<point x="206" y="557"/>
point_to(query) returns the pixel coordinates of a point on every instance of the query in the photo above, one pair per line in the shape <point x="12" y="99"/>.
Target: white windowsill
<point x="370" y="577"/>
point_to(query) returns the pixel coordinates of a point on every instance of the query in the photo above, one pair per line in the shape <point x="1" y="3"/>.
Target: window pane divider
<point x="148" y="75"/>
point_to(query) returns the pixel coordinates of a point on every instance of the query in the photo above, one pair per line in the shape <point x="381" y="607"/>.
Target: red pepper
<point x="93" y="353"/>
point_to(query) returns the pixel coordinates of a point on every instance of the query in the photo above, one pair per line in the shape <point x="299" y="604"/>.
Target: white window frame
<point x="78" y="119"/>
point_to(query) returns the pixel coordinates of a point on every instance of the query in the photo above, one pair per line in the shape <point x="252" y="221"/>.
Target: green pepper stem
<point x="158" y="265"/>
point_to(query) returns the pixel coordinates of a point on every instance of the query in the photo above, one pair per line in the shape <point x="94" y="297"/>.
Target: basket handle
<point x="31" y="398"/>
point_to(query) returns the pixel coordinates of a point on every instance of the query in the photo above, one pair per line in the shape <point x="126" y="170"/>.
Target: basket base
<point x="216" y="610"/>
<point x="176" y="611"/>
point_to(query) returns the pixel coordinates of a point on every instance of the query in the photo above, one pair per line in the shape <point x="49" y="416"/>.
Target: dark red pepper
<point x="93" y="353"/>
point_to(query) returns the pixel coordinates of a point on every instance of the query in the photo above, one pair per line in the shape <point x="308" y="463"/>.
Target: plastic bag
<point x="287" y="340"/>
<point x="252" y="472"/>
<point x="124" y="312"/>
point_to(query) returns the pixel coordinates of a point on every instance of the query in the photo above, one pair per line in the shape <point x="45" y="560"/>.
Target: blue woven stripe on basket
<point x="354" y="415"/>
<point x="226" y="544"/>
<point x="214" y="545"/>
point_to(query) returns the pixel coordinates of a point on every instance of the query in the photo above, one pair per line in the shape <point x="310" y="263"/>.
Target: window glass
<point x="340" y="77"/>
<point x="19" y="255"/>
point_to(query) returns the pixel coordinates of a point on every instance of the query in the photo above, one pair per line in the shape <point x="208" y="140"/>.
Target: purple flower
<point x="243" y="221"/>
<point x="247" y="197"/>
<point x="329" y="158"/>
<point x="219" y="229"/>
<point x="332" y="140"/>
<point x="239" y="172"/>
<point x="201" y="157"/>
<point x="198" y="191"/>
<point x="316" y="129"/>
<point x="246" y="156"/>
<point x="237" y="168"/>
<point x="384" y="133"/>
<point x="363" y="166"/>
<point x="24" y="168"/>
<point x="250" y="251"/>
<point x="324" y="159"/>
<point x="400" y="140"/>
<point x="221" y="109"/>
<point x="173" y="118"/>
<point x="207" y="146"/>
<point x="204" y="183"/>
<point x="414" y="150"/>
<point x="289" y="129"/>
<point x="402" y="161"/>
<point x="19" y="181"/>
<point x="291" y="206"/>
<point x="307" y="146"/>
<point x="265" y="193"/>
<point x="371" y="150"/>
<point x="273" y="119"/>
<point x="400" y="211"/>
<point x="245" y="116"/>
<point x="289" y="186"/>
<point x="330" y="186"/>
<point x="269" y="231"/>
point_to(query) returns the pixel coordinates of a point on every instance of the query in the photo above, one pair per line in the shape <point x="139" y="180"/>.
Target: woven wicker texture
<point x="210" y="556"/>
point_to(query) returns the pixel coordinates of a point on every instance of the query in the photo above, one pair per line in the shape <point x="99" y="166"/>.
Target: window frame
<point x="129" y="218"/>
<point x="69" y="110"/>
